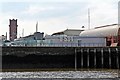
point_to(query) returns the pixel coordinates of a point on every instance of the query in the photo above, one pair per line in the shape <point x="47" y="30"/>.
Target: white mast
<point x="88" y="18"/>
<point x="23" y="33"/>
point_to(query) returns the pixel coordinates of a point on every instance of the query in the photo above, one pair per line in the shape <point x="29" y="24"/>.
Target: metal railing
<point x="56" y="44"/>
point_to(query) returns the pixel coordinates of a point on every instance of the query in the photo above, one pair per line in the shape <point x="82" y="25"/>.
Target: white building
<point x="75" y="41"/>
<point x="110" y="32"/>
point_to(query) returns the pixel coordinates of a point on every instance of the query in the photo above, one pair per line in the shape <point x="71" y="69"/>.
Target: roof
<point x="69" y="32"/>
<point x="58" y="33"/>
<point x="105" y="26"/>
<point x="103" y="31"/>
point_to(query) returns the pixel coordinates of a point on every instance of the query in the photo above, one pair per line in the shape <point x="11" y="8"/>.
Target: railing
<point x="61" y="44"/>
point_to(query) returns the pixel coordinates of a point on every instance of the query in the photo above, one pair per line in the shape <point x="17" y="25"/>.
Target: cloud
<point x="48" y="26"/>
<point x="57" y="16"/>
<point x="33" y="10"/>
<point x="4" y="22"/>
<point x="103" y="14"/>
<point x="42" y="1"/>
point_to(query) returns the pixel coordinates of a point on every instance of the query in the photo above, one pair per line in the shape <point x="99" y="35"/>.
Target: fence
<point x="55" y="44"/>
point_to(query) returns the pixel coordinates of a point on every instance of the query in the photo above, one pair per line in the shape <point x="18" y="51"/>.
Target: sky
<point x="56" y="15"/>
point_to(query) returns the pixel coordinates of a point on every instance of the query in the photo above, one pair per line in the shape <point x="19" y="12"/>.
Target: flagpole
<point x="88" y="18"/>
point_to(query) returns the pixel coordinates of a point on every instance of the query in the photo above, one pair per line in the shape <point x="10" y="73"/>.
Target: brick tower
<point x="13" y="29"/>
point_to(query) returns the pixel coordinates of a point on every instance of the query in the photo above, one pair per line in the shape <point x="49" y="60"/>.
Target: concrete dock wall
<point x="61" y="57"/>
<point x="23" y="51"/>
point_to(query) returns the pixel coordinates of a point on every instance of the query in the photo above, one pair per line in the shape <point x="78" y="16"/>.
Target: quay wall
<point x="23" y="51"/>
<point x="60" y="57"/>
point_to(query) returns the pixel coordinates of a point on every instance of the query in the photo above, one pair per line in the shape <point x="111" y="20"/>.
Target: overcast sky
<point x="56" y="15"/>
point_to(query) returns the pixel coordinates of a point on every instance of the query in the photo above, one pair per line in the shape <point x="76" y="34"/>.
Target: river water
<point x="60" y="75"/>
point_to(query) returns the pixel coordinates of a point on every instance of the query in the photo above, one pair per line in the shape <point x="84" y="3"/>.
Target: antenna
<point x="37" y="27"/>
<point x="88" y="18"/>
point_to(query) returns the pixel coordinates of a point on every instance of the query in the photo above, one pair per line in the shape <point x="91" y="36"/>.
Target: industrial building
<point x="108" y="35"/>
<point x="110" y="32"/>
<point x="75" y="41"/>
<point x="30" y="40"/>
<point x="2" y="39"/>
<point x="35" y="36"/>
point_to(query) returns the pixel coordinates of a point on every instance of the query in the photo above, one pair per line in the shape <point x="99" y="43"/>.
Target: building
<point x="2" y="39"/>
<point x="108" y="35"/>
<point x="38" y="36"/>
<point x="13" y="29"/>
<point x="111" y="32"/>
<point x="75" y="41"/>
<point x="30" y="40"/>
<point x="35" y="36"/>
